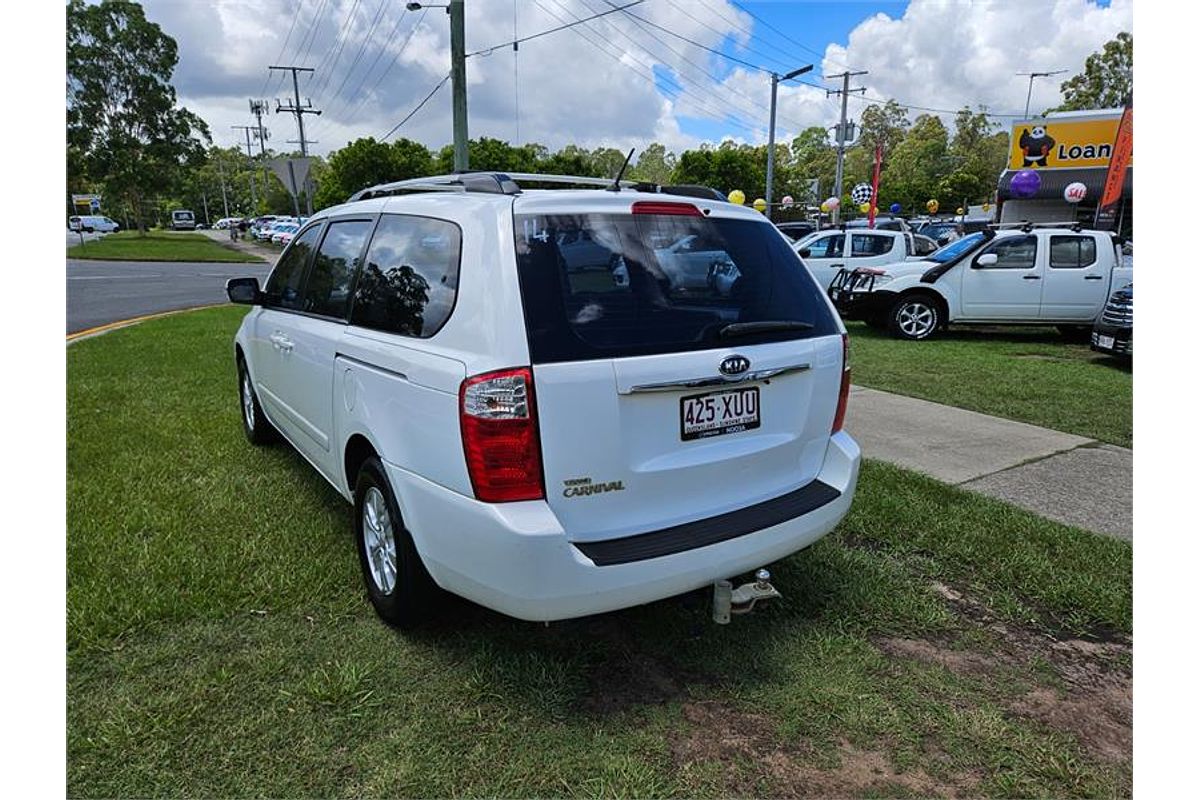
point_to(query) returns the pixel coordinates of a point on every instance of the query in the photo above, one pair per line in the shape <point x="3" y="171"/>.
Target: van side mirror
<point x="986" y="260"/>
<point x="804" y="252"/>
<point x="244" y="291"/>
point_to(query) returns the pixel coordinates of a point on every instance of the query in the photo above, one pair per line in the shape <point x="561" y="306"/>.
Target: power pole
<point x="458" y="81"/>
<point x="300" y="110"/>
<point x="775" y="79"/>
<point x="1032" y="75"/>
<point x="250" y="158"/>
<point x="841" y="130"/>
<point x="258" y="108"/>
<point x="224" y="197"/>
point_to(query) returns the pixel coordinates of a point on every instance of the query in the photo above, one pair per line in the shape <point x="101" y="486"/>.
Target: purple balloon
<point x="1025" y="183"/>
<point x="894" y="208"/>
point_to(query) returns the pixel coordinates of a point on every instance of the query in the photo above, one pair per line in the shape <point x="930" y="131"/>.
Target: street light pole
<point x="775" y="79"/>
<point x="458" y="75"/>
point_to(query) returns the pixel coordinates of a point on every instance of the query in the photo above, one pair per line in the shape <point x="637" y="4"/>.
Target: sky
<point x="679" y="72"/>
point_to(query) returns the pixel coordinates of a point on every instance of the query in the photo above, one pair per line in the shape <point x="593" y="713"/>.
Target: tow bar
<point x="727" y="600"/>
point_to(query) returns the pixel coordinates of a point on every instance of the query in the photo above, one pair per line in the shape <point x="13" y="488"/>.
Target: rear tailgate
<point x="649" y="416"/>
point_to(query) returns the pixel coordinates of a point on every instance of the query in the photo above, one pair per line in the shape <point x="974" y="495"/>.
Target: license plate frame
<point x="1107" y="342"/>
<point x="749" y="396"/>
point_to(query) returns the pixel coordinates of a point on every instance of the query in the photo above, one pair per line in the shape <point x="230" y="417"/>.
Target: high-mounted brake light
<point x="498" y="416"/>
<point x="839" y="418"/>
<point x="669" y="209"/>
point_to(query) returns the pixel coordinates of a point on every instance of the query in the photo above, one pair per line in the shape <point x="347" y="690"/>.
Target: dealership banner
<point x="1066" y="143"/>
<point x="1114" y="181"/>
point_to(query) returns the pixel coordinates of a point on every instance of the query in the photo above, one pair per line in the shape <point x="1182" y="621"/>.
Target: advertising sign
<point x="1114" y="181"/>
<point x="1063" y="144"/>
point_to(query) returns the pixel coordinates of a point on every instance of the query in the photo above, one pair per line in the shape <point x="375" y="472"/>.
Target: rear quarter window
<point x="617" y="285"/>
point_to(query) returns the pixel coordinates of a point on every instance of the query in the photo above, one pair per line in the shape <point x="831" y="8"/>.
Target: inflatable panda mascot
<point x="1035" y="146"/>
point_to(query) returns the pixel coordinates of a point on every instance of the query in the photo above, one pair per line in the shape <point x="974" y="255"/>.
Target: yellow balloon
<point x="865" y="208"/>
<point x="737" y="197"/>
<point x="932" y="206"/>
<point x="958" y="210"/>
<point x="760" y="204"/>
<point x="825" y="206"/>
<point x="987" y="207"/>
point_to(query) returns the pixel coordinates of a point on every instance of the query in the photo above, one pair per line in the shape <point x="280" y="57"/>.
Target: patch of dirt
<point x="739" y="741"/>
<point x="1096" y="703"/>
<point x="632" y="679"/>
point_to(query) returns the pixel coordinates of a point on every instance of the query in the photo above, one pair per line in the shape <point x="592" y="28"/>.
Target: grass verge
<point x="219" y="642"/>
<point x="1028" y="374"/>
<point x="157" y="246"/>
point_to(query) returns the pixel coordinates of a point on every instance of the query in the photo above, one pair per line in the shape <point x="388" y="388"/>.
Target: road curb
<point x="100" y="330"/>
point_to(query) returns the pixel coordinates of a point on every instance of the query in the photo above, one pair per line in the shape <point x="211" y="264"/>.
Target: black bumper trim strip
<point x="712" y="530"/>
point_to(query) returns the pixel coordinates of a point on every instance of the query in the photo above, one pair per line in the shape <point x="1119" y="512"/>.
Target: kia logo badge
<point x="735" y="365"/>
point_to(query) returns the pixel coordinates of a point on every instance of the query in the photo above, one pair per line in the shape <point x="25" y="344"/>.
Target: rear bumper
<point x="1122" y="339"/>
<point x="516" y="558"/>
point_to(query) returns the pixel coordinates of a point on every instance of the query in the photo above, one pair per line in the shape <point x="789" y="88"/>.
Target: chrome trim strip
<point x="698" y="383"/>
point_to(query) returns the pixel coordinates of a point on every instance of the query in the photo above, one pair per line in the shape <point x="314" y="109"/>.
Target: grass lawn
<point x="158" y="246"/>
<point x="220" y="643"/>
<point x="1028" y="374"/>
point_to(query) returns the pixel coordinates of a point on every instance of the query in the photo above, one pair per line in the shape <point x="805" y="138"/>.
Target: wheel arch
<point x="928" y="291"/>
<point x="357" y="450"/>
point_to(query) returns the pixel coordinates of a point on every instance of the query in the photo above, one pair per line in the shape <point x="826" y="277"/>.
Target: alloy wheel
<point x="378" y="540"/>
<point x="247" y="400"/>
<point x="916" y="319"/>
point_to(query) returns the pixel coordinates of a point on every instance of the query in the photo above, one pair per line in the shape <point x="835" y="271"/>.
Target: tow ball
<point x="727" y="600"/>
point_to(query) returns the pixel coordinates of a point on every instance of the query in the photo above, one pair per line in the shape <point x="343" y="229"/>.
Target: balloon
<point x="1074" y="192"/>
<point x="861" y="193"/>
<point x="932" y="206"/>
<point x="824" y="206"/>
<point x="1025" y="183"/>
<point x="787" y="201"/>
<point x="987" y="207"/>
<point x="894" y="208"/>
<point x="737" y="197"/>
<point x="833" y="203"/>
<point x="760" y="204"/>
<point x="959" y="211"/>
<point x="865" y="208"/>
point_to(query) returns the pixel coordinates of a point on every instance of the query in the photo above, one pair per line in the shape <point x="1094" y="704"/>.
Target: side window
<point x="828" y="247"/>
<point x="1016" y="252"/>
<point x="410" y="279"/>
<point x="1072" y="252"/>
<point x="327" y="291"/>
<point x="864" y="245"/>
<point x="283" y="287"/>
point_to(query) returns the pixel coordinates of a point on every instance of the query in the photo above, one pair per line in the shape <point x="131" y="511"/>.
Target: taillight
<point x="844" y="392"/>
<point x="500" y="438"/>
<point x="668" y="209"/>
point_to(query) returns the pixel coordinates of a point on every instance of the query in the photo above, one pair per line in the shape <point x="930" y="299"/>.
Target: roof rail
<point x="508" y="183"/>
<point x="1072" y="223"/>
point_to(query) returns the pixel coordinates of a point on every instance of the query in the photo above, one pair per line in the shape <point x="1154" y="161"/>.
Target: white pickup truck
<point x="826" y="252"/>
<point x="1058" y="276"/>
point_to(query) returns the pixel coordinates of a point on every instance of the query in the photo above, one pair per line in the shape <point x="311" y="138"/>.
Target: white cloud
<point x="615" y="81"/>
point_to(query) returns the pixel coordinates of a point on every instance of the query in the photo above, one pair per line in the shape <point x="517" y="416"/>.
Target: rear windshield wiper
<point x="763" y="326"/>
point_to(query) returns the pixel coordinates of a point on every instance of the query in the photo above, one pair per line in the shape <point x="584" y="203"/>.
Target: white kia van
<point x="552" y="402"/>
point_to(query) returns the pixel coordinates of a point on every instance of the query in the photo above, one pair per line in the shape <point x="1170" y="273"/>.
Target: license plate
<point x="717" y="413"/>
<point x="1105" y="341"/>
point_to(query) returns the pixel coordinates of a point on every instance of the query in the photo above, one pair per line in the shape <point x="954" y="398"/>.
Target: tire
<point x="397" y="583"/>
<point x="258" y="430"/>
<point x="1075" y="333"/>
<point x="914" y="317"/>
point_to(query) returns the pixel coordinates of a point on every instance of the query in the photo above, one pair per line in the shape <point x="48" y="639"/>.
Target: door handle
<point x="836" y="266"/>
<point x="1093" y="277"/>
<point x="280" y="341"/>
<point x="1031" y="277"/>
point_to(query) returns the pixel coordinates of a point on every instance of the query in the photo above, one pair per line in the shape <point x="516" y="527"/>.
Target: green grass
<point x="1028" y="374"/>
<point x="219" y="643"/>
<point x="157" y="246"/>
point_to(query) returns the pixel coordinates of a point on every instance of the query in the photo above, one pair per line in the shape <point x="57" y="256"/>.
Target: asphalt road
<point x="100" y="292"/>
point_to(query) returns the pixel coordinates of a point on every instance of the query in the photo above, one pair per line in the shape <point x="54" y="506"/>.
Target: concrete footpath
<point x="1067" y="478"/>
<point x="246" y="245"/>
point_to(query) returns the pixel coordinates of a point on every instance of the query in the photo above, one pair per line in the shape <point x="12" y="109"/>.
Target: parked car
<point x="824" y="252"/>
<point x="942" y="230"/>
<point x="183" y="220"/>
<point x="1113" y="331"/>
<point x="796" y="230"/>
<point x="545" y="448"/>
<point x="282" y="230"/>
<point x="264" y="232"/>
<point x="92" y="223"/>
<point x="883" y="222"/>
<point x="1045" y="276"/>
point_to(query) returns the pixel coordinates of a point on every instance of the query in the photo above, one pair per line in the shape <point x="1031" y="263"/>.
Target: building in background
<point x="1062" y="148"/>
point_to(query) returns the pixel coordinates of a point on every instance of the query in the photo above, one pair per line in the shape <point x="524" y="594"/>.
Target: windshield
<point x="956" y="248"/>
<point x="598" y="285"/>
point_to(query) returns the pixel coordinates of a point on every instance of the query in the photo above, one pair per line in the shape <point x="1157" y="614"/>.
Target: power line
<point x="311" y="36"/>
<point x="432" y="92"/>
<point x="714" y="51"/>
<point x="790" y="57"/>
<point x="292" y="27"/>
<point x="338" y="45"/>
<point x="488" y="50"/>
<point x="388" y="69"/>
<point x="366" y="42"/>
<point x="769" y="26"/>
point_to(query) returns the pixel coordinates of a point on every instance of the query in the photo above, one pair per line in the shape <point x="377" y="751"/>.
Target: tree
<point x="1106" y="80"/>
<point x="367" y="162"/>
<point x="654" y="165"/>
<point x="121" y="112"/>
<point x="916" y="165"/>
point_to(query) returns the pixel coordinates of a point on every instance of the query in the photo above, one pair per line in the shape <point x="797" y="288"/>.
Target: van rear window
<point x="614" y="285"/>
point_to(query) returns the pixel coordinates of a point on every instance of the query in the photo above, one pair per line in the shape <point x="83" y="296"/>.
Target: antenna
<point x="616" y="184"/>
